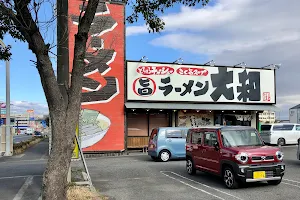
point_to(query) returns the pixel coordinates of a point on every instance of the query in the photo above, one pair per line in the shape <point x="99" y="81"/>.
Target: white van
<point x="29" y="131"/>
<point x="281" y="133"/>
<point x="298" y="150"/>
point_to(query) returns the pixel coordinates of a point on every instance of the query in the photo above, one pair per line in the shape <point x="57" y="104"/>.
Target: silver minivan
<point x="281" y="133"/>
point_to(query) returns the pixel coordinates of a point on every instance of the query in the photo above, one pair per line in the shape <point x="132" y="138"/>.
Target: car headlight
<point x="242" y="157"/>
<point x="279" y="155"/>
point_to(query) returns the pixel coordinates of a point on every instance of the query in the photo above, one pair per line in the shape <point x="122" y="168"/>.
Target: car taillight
<point x="152" y="144"/>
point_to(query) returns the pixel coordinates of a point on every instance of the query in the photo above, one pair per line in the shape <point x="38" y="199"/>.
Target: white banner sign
<point x="171" y="82"/>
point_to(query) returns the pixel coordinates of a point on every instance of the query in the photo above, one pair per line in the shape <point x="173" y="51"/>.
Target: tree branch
<point x="28" y="28"/>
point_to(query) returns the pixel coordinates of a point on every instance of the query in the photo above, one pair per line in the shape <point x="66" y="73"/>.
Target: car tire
<point x="229" y="178"/>
<point x="281" y="142"/>
<point x="190" y="168"/>
<point x="164" y="155"/>
<point x="275" y="182"/>
<point x="154" y="158"/>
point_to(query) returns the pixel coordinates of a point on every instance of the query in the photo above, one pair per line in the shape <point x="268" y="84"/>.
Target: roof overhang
<point x="183" y="106"/>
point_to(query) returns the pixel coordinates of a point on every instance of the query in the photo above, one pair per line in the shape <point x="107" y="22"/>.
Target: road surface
<point x="21" y="138"/>
<point x="21" y="175"/>
<point x="138" y="177"/>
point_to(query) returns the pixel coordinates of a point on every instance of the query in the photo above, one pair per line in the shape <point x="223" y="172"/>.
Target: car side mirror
<point x="216" y="145"/>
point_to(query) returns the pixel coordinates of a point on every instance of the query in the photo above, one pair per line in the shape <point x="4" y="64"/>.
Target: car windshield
<point x="238" y="138"/>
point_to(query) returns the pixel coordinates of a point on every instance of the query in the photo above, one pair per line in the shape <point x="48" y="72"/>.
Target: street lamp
<point x="7" y="128"/>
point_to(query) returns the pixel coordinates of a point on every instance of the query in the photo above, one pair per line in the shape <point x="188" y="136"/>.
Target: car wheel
<point x="281" y="142"/>
<point x="164" y="155"/>
<point x="275" y="182"/>
<point x="229" y="178"/>
<point x="190" y="168"/>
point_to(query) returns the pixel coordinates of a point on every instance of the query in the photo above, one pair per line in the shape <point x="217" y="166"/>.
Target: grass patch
<point x="83" y="193"/>
<point x="22" y="146"/>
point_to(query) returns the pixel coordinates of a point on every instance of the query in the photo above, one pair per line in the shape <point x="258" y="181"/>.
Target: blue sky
<point x="228" y="31"/>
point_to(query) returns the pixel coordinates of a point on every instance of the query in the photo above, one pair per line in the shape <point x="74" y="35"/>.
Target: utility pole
<point x="63" y="47"/>
<point x="7" y="128"/>
<point x="62" y="54"/>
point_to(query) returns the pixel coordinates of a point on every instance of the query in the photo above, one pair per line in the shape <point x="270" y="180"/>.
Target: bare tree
<point x="21" y="19"/>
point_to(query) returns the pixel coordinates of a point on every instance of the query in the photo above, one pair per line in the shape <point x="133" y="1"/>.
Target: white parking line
<point x="12" y="177"/>
<point x="233" y="196"/>
<point x="291" y="184"/>
<point x="291" y="180"/>
<point x="17" y="161"/>
<point x="24" y="187"/>
<point x="19" y="156"/>
<point x="193" y="187"/>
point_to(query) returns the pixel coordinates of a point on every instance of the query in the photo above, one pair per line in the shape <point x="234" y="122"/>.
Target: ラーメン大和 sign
<point x="172" y="82"/>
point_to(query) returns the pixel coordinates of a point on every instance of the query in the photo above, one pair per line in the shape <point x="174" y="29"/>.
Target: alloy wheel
<point x="228" y="178"/>
<point x="165" y="156"/>
<point x="189" y="166"/>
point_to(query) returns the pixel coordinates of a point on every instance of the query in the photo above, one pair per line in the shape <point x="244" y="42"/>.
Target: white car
<point x="281" y="133"/>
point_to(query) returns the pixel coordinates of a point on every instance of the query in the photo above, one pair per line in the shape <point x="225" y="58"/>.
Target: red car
<point x="236" y="153"/>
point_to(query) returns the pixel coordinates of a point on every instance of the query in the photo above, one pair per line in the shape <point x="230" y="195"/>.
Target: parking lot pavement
<point x="138" y="177"/>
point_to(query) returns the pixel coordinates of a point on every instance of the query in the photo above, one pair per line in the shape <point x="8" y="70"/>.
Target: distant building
<point x="294" y="114"/>
<point x="267" y="117"/>
<point x="23" y="121"/>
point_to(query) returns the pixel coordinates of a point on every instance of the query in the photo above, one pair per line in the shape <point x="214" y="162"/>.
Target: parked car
<point x="235" y="153"/>
<point x="29" y="131"/>
<point x="167" y="143"/>
<point x="38" y="134"/>
<point x="281" y="133"/>
<point x="298" y="150"/>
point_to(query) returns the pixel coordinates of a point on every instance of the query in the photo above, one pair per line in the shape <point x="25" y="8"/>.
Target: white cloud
<point x="135" y="30"/>
<point x="257" y="32"/>
<point x="21" y="107"/>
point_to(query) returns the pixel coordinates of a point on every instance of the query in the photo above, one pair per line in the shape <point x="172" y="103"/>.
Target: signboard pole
<point x="83" y="161"/>
<point x="76" y="148"/>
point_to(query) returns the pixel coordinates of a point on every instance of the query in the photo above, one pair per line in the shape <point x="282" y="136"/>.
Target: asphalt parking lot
<point x="137" y="177"/>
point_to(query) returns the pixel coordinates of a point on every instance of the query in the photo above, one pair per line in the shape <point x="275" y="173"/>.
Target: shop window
<point x="158" y="120"/>
<point x="137" y="124"/>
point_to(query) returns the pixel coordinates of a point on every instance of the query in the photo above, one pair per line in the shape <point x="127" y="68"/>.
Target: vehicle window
<point x="297" y="127"/>
<point x="153" y="135"/>
<point x="210" y="138"/>
<point x="238" y="138"/>
<point x="174" y="134"/>
<point x="189" y="136"/>
<point x="283" y="127"/>
<point x="265" y="127"/>
<point x="184" y="133"/>
<point x="197" y="137"/>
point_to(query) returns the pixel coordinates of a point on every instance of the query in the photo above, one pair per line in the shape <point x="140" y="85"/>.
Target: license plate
<point x="259" y="174"/>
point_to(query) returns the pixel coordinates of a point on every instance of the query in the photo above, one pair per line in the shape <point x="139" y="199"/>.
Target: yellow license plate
<point x="259" y="174"/>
